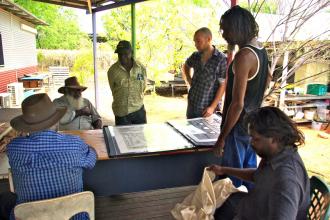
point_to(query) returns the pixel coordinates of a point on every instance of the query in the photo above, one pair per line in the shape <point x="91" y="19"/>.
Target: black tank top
<point x="255" y="86"/>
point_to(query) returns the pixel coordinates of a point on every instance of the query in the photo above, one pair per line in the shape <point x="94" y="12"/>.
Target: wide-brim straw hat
<point x="39" y="113"/>
<point x="72" y="83"/>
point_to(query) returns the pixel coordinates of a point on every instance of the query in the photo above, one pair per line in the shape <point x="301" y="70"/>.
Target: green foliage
<point x="117" y="24"/>
<point x="83" y="67"/>
<point x="165" y="38"/>
<point x="62" y="31"/>
<point x="267" y="7"/>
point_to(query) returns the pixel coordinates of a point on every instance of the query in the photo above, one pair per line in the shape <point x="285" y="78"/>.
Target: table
<point x="32" y="82"/>
<point x="113" y="176"/>
<point x="6" y="114"/>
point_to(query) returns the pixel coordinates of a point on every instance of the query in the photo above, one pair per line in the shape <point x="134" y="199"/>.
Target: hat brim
<point x="121" y="50"/>
<point x="62" y="89"/>
<point x="19" y="124"/>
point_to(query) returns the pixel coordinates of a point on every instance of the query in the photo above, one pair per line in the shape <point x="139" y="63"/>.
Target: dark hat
<point x="72" y="83"/>
<point x="123" y="45"/>
<point x="39" y="113"/>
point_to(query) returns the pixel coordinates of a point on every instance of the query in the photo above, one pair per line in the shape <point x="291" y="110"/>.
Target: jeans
<point x="238" y="153"/>
<point x="138" y="117"/>
<point x="229" y="208"/>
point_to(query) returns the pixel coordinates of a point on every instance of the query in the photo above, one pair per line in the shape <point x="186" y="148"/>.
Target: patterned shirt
<point x="70" y="122"/>
<point x="206" y="79"/>
<point x="127" y="88"/>
<point x="48" y="164"/>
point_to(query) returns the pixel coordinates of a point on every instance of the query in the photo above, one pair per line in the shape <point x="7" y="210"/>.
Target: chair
<point x="319" y="208"/>
<point x="62" y="208"/>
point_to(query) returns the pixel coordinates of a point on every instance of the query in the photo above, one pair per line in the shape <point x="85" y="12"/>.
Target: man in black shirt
<point x="246" y="82"/>
<point x="281" y="189"/>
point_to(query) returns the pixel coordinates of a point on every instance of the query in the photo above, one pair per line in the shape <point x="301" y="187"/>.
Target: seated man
<point x="80" y="114"/>
<point x="281" y="184"/>
<point x="46" y="164"/>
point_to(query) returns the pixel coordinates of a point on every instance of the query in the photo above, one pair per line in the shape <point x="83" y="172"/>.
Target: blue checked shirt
<point x="48" y="164"/>
<point x="206" y="80"/>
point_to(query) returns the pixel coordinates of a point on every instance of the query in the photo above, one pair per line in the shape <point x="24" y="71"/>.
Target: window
<point x="2" y="62"/>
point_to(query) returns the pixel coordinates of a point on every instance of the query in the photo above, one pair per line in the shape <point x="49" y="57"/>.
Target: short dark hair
<point x="272" y="122"/>
<point x="241" y="22"/>
<point x="205" y="31"/>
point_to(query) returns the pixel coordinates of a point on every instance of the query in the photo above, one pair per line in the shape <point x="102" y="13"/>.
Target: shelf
<point x="306" y="97"/>
<point x="304" y="106"/>
<point x="299" y="121"/>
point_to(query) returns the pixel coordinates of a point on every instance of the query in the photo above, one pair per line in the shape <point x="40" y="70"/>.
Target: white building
<point x="18" y="53"/>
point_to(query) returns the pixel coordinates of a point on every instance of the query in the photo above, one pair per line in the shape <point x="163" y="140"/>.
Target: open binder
<point x="162" y="138"/>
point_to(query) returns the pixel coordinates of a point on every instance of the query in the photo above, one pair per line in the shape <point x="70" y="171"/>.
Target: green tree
<point x="83" y="67"/>
<point x="62" y="31"/>
<point x="267" y="7"/>
<point x="164" y="34"/>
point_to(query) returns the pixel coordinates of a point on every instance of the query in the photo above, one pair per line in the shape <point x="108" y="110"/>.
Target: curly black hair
<point x="240" y="22"/>
<point x="272" y="122"/>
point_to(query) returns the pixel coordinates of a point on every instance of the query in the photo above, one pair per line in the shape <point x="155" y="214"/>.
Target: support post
<point x="133" y="31"/>
<point x="284" y="78"/>
<point x="96" y="85"/>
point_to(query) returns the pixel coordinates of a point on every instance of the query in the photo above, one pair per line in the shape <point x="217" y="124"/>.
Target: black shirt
<point x="281" y="192"/>
<point x="256" y="85"/>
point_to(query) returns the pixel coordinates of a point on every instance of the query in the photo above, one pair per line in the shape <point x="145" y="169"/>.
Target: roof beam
<point x="20" y="12"/>
<point x="89" y="6"/>
<point x="64" y="4"/>
<point x="116" y="5"/>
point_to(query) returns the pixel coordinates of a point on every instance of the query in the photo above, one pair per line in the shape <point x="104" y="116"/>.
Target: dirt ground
<point x="315" y="153"/>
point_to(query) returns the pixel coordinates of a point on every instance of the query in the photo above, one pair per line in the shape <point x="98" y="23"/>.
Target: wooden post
<point x="284" y="78"/>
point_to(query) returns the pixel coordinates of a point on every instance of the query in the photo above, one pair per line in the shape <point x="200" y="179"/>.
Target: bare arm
<point x="218" y="96"/>
<point x="243" y="174"/>
<point x="242" y="67"/>
<point x="186" y="70"/>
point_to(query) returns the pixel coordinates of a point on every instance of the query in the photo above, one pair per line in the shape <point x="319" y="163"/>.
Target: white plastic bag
<point x="208" y="196"/>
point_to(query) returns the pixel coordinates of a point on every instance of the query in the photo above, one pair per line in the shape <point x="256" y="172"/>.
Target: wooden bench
<point x="59" y="74"/>
<point x="155" y="204"/>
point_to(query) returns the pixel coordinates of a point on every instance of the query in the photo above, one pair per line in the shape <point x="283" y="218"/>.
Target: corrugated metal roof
<point x="92" y="5"/>
<point x="20" y="12"/>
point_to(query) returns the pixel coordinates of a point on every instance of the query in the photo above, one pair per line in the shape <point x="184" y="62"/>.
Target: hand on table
<point x="208" y="111"/>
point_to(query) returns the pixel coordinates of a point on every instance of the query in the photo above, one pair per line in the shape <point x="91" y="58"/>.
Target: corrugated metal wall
<point x="10" y="76"/>
<point x="19" y="48"/>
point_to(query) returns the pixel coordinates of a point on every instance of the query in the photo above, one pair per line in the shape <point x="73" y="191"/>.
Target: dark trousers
<point x="7" y="203"/>
<point x="138" y="117"/>
<point x="229" y="209"/>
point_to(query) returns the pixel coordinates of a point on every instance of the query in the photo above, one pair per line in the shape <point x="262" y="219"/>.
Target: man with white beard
<point x="80" y="114"/>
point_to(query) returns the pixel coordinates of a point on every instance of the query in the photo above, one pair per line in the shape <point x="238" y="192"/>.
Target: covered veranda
<point x="143" y="205"/>
<point x="149" y="204"/>
<point x="94" y="6"/>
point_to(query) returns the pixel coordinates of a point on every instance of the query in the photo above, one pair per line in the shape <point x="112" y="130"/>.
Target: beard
<point x="75" y="103"/>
